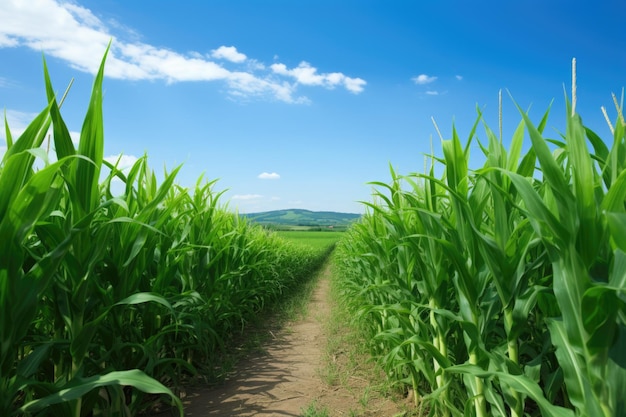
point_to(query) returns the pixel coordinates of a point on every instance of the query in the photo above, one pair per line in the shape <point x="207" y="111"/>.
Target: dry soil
<point x="286" y="376"/>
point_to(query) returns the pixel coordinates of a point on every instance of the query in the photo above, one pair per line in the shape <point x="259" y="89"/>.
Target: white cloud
<point x="125" y="161"/>
<point x="142" y="61"/>
<point x="17" y="120"/>
<point x="74" y="34"/>
<point x="228" y="53"/>
<point x="355" y="85"/>
<point x="432" y="93"/>
<point x="7" y="42"/>
<point x="423" y="79"/>
<point x="306" y="74"/>
<point x="459" y="77"/>
<point x="269" y="176"/>
<point x="246" y="196"/>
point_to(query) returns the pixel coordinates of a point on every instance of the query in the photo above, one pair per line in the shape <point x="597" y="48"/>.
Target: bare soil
<point x="286" y="376"/>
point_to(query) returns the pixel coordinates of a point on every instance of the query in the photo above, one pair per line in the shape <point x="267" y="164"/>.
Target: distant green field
<point x="315" y="239"/>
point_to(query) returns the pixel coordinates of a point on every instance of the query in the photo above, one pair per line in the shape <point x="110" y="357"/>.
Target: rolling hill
<point x="305" y="218"/>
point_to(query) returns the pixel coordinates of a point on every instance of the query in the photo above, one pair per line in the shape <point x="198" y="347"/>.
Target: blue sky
<point x="299" y="104"/>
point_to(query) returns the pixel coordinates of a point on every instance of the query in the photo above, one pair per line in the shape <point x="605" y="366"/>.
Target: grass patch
<point x="313" y="410"/>
<point x="347" y="361"/>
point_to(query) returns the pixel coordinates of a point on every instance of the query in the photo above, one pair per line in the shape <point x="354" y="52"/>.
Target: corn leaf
<point x="520" y="383"/>
<point x="77" y="389"/>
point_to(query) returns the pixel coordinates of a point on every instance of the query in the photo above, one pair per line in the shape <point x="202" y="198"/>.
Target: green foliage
<point x="500" y="291"/>
<point x="314" y="411"/>
<point x="108" y="303"/>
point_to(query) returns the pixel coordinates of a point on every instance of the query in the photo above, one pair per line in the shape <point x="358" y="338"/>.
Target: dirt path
<point x="285" y="378"/>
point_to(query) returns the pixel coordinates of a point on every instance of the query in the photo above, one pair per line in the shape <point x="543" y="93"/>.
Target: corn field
<point x="107" y="303"/>
<point x="500" y="291"/>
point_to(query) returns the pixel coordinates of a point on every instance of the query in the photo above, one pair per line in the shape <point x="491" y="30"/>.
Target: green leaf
<point x="17" y="162"/>
<point x="520" y="383"/>
<point x="34" y="134"/>
<point x="456" y="164"/>
<point x="431" y="349"/>
<point x="516" y="147"/>
<point x="7" y="132"/>
<point x="600" y="306"/>
<point x="601" y="155"/>
<point x="86" y="172"/>
<point x="616" y="196"/>
<point x="552" y="173"/>
<point x="62" y="139"/>
<point x="527" y="166"/>
<point x="585" y="181"/>
<point x="571" y="360"/>
<point x="617" y="279"/>
<point x="32" y="201"/>
<point x="145" y="297"/>
<point x="539" y="214"/>
<point x="81" y="341"/>
<point x="617" y="228"/>
<point x="30" y="364"/>
<point x="81" y="386"/>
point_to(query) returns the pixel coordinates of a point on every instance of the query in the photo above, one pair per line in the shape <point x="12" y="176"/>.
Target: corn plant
<point x="499" y="291"/>
<point x="577" y="221"/>
<point x="39" y="241"/>
<point x="108" y="303"/>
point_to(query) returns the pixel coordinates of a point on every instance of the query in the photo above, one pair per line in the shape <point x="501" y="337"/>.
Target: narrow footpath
<point x="284" y="379"/>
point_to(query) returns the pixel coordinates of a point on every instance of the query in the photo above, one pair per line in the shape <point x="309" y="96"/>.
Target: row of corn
<point x="107" y="302"/>
<point x="500" y="291"/>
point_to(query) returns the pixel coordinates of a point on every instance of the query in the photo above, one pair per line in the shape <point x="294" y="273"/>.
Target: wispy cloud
<point x="432" y="93"/>
<point x="306" y="74"/>
<point x="245" y="85"/>
<point x="5" y="82"/>
<point x="459" y="77"/>
<point x="268" y="176"/>
<point x="74" y="34"/>
<point x="246" y="196"/>
<point x="423" y="79"/>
